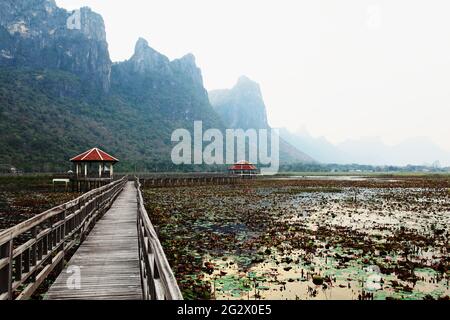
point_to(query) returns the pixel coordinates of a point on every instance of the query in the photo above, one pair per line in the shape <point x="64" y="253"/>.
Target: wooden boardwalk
<point x="108" y="260"/>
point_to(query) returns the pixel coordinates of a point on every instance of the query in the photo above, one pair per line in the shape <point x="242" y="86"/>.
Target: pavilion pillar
<point x="85" y="170"/>
<point x="111" y="171"/>
<point x="100" y="170"/>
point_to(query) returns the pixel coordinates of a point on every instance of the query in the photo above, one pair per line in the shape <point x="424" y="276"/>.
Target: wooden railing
<point x="31" y="250"/>
<point x="158" y="281"/>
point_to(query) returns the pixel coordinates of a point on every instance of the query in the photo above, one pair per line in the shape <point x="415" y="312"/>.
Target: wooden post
<point x="33" y="258"/>
<point x="26" y="261"/>
<point x="64" y="230"/>
<point x="6" y="251"/>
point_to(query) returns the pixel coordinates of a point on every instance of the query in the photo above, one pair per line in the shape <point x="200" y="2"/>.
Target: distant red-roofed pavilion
<point x="243" y="168"/>
<point x="94" y="163"/>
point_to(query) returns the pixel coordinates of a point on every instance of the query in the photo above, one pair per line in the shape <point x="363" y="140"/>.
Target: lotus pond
<point x="23" y="197"/>
<point x="307" y="238"/>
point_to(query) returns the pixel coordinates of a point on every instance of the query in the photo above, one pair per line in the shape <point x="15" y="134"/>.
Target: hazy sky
<point x="342" y="68"/>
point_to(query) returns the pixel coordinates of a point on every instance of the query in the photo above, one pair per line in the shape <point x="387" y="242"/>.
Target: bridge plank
<point x="108" y="258"/>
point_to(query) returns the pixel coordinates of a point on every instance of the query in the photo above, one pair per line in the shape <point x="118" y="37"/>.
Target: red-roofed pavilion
<point x="94" y="163"/>
<point x="243" y="168"/>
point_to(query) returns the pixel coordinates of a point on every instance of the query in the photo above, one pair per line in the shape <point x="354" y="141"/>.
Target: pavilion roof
<point x="243" y="165"/>
<point x="94" y="154"/>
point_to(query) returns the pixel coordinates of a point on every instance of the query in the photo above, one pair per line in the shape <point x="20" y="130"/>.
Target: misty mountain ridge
<point x="243" y="107"/>
<point x="414" y="151"/>
<point x="369" y="150"/>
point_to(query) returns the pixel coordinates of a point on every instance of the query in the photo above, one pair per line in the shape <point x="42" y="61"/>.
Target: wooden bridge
<point x="109" y="240"/>
<point x="106" y="266"/>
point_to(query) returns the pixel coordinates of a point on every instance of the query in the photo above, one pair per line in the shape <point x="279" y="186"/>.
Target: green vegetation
<point x="22" y="197"/>
<point x="25" y="182"/>
<point x="253" y="241"/>
<point x="48" y="116"/>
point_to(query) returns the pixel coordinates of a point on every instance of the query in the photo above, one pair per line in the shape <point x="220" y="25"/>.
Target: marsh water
<point x="307" y="238"/>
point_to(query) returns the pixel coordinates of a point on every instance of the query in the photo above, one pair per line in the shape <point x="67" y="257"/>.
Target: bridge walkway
<point x="106" y="265"/>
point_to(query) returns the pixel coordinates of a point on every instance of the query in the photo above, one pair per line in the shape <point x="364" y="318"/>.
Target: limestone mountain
<point x="61" y="94"/>
<point x="243" y="107"/>
<point x="38" y="34"/>
<point x="171" y="91"/>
